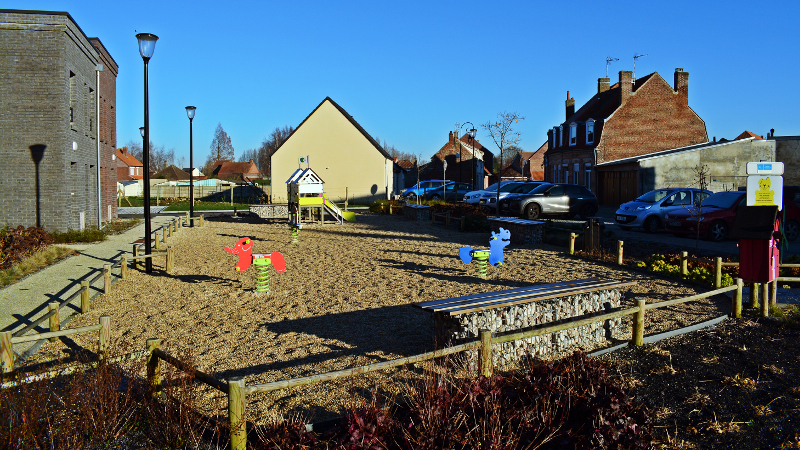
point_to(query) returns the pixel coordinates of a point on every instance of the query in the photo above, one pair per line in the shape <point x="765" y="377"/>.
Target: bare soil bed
<point x="344" y="301"/>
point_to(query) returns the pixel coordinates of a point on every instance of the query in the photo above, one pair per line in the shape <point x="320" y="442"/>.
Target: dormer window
<point x="560" y="135"/>
<point x="590" y="131"/>
<point x="573" y="133"/>
<point x="553" y="140"/>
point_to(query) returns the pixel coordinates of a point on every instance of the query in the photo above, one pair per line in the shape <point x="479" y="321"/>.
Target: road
<point x="724" y="248"/>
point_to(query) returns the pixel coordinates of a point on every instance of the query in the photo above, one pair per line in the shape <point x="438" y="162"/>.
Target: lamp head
<point x="147" y="45"/>
<point x="472" y="133"/>
<point x="190" y="112"/>
<point x="141" y="131"/>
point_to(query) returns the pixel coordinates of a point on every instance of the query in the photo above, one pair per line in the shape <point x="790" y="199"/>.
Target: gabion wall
<point x="417" y="212"/>
<point x="270" y="211"/>
<point x="521" y="234"/>
<point x="463" y="328"/>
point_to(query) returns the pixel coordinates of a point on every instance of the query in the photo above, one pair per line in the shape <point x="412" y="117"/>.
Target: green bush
<point x="697" y="272"/>
<point x="90" y="234"/>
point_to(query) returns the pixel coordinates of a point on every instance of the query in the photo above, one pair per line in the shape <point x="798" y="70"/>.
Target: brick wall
<point x="40" y="52"/>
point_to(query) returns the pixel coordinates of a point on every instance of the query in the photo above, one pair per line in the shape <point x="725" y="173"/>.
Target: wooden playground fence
<point x="237" y="390"/>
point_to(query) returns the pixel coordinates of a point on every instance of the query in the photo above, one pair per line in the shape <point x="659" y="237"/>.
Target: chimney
<point x="450" y="139"/>
<point x="603" y="84"/>
<point x="772" y="132"/>
<point x="625" y="85"/>
<point x="395" y="158"/>
<point x="682" y="85"/>
<point x="570" y="106"/>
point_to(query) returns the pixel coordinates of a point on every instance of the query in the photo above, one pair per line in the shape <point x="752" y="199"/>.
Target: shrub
<point x="17" y="243"/>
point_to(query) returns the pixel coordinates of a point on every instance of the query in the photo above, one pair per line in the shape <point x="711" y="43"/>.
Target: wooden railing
<point x="237" y="390"/>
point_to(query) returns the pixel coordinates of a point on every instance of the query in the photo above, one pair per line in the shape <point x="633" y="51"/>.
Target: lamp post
<point x="472" y="132"/>
<point x="147" y="44"/>
<point x="190" y="113"/>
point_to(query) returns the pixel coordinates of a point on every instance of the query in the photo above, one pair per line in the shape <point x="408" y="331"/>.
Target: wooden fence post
<point x="202" y="220"/>
<point x="236" y="405"/>
<point x="684" y="264"/>
<point x="463" y="222"/>
<point x="619" y="252"/>
<point x="170" y="258"/>
<point x="153" y="369"/>
<point x="157" y="244"/>
<point x="638" y="324"/>
<point x="754" y="287"/>
<point x="486" y="353"/>
<point x="6" y="353"/>
<point x="123" y="267"/>
<point x="104" y="338"/>
<point x="764" y="299"/>
<point x="85" y="306"/>
<point x="572" y="237"/>
<point x="135" y="254"/>
<point x="718" y="272"/>
<point x="188" y="223"/>
<point x="106" y="278"/>
<point x="390" y="209"/>
<point x="55" y="322"/>
<point x="773" y="297"/>
<point x="447" y="219"/>
<point x="737" y="299"/>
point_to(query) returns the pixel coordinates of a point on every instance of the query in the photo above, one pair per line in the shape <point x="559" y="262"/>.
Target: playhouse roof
<point x="304" y="176"/>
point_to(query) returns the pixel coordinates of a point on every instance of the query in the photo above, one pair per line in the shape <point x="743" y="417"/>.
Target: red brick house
<point x="458" y="152"/>
<point x="527" y="165"/>
<point x="128" y="167"/>
<point x="236" y="171"/>
<point x="630" y="118"/>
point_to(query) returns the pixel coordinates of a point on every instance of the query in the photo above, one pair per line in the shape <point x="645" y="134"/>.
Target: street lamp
<point x="472" y="132"/>
<point x="190" y="113"/>
<point x="147" y="45"/>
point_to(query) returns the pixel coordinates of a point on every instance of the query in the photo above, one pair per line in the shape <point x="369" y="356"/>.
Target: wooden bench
<point x="416" y="212"/>
<point x="523" y="231"/>
<point x="460" y="319"/>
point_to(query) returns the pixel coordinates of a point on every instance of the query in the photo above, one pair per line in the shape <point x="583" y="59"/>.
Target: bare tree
<point x="700" y="172"/>
<point x="159" y="156"/>
<point x="505" y="138"/>
<point x="221" y="146"/>
<point x="135" y="149"/>
<point x="269" y="146"/>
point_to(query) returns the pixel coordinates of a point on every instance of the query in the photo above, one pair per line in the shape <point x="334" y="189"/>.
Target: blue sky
<point x="408" y="71"/>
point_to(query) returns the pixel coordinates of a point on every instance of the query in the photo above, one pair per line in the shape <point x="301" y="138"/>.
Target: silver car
<point x="474" y="197"/>
<point x="648" y="210"/>
<point x="489" y="198"/>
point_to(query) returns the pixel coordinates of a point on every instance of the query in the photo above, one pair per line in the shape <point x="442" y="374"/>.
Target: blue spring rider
<point x="494" y="254"/>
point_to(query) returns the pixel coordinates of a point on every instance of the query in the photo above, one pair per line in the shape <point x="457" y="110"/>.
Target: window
<point x="560" y="136"/>
<point x="566" y="175"/>
<point x="590" y="131"/>
<point x="130" y="169"/>
<point x="554" y="137"/>
<point x="573" y="133"/>
<point x="587" y="176"/>
<point x="556" y="191"/>
<point x="91" y="107"/>
<point x="575" y="169"/>
<point x="72" y="99"/>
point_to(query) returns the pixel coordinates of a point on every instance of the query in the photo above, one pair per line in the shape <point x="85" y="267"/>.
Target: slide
<point x="337" y="212"/>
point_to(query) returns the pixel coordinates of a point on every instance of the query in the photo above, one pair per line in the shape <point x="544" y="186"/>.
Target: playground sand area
<point x="344" y="301"/>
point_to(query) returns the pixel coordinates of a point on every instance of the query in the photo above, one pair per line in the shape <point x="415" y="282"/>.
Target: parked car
<point x="717" y="213"/>
<point x="488" y="198"/>
<point x="412" y="192"/>
<point x="451" y="191"/>
<point x="559" y="198"/>
<point x="522" y="189"/>
<point x="648" y="210"/>
<point x="473" y="197"/>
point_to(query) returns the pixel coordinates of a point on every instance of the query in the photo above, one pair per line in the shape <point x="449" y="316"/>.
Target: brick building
<point x="49" y="122"/>
<point x="630" y="118"/>
<point x="458" y="152"/>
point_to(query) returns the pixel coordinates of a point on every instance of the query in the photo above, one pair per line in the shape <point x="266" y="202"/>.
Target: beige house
<point x="345" y="156"/>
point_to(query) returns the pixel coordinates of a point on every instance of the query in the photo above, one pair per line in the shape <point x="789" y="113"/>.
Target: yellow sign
<point x="764" y="195"/>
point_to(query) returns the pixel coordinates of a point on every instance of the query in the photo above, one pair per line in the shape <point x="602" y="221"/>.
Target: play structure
<point x="262" y="261"/>
<point x="494" y="254"/>
<point x="305" y="193"/>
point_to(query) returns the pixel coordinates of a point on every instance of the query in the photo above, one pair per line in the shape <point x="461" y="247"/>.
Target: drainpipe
<point x="98" y="68"/>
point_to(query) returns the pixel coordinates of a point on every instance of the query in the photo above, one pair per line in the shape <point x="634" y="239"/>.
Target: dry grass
<point x="34" y="263"/>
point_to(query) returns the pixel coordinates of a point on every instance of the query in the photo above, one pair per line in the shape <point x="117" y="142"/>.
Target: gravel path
<point x="344" y="300"/>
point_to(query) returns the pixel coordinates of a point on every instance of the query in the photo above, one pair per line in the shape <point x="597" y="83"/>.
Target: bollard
<point x="155" y="237"/>
<point x="135" y="255"/>
<point x="737" y="299"/>
<point x="123" y="267"/>
<point x="153" y="369"/>
<point x="764" y="299"/>
<point x="718" y="272"/>
<point x="773" y="297"/>
<point x="236" y="404"/>
<point x="106" y="278"/>
<point x="619" y="252"/>
<point x="390" y="209"/>
<point x="572" y="237"/>
<point x="6" y="353"/>
<point x="170" y="259"/>
<point x="638" y="324"/>
<point x="104" y="338"/>
<point x="55" y="323"/>
<point x="486" y="353"/>
<point x="684" y="264"/>
<point x="202" y="220"/>
<point x="754" y="287"/>
<point x="85" y="297"/>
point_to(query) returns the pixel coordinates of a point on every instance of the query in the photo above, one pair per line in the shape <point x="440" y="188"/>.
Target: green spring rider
<point x="295" y="227"/>
<point x="480" y="257"/>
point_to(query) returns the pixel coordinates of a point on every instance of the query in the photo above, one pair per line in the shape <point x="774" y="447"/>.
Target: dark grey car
<point x="556" y="199"/>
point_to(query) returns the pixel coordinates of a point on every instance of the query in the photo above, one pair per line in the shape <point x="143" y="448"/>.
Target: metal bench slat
<point x="484" y="307"/>
<point x="489" y="295"/>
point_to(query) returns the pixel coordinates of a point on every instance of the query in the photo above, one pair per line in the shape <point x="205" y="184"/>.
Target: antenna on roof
<point x="635" y="57"/>
<point x="608" y="61"/>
